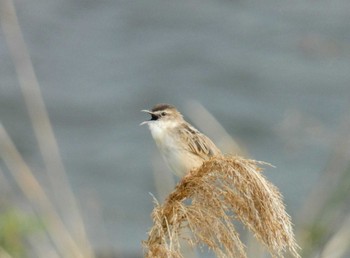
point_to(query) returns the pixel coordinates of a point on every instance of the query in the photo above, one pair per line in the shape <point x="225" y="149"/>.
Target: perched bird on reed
<point x="182" y="146"/>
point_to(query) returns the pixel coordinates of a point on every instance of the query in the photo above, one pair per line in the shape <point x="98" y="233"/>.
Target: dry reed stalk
<point x="203" y="119"/>
<point x="41" y="124"/>
<point x="210" y="199"/>
<point x="338" y="245"/>
<point x="31" y="188"/>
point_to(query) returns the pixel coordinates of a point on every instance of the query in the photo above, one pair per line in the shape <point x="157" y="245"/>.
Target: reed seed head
<point x="207" y="202"/>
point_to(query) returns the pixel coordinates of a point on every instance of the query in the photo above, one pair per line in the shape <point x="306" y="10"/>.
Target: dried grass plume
<point x="209" y="200"/>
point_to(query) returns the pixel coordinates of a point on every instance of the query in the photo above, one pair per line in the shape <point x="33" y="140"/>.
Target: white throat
<point x="160" y="130"/>
<point x="169" y="146"/>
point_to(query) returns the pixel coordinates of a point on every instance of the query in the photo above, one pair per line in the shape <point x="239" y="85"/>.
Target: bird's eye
<point x="163" y="113"/>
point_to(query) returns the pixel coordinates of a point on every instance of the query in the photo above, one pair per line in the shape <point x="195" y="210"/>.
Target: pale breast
<point x="181" y="162"/>
<point x="178" y="158"/>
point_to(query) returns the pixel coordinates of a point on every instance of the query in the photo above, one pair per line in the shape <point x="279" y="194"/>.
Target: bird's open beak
<point x="154" y="117"/>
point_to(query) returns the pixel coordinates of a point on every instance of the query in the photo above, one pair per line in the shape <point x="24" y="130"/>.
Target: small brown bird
<point x="182" y="146"/>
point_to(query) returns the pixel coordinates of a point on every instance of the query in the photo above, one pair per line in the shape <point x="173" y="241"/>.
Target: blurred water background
<point x="275" y="74"/>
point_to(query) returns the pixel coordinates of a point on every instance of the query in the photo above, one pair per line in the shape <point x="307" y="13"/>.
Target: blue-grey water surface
<point x="276" y="74"/>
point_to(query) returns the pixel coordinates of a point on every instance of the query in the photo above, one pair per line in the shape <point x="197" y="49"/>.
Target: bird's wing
<point x="198" y="143"/>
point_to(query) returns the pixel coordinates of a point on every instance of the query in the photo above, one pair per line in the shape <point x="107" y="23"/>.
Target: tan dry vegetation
<point x="209" y="200"/>
<point x="66" y="241"/>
